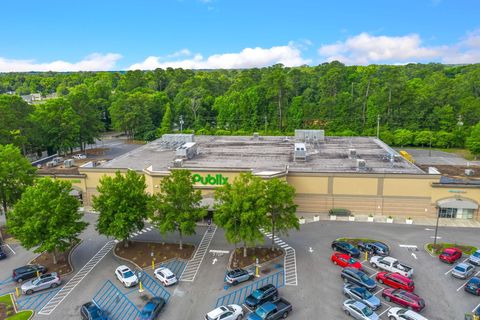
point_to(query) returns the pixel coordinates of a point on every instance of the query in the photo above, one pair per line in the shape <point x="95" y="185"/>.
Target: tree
<point x="279" y="196"/>
<point x="473" y="141"/>
<point x="46" y="217"/>
<point x="423" y="138"/>
<point x="403" y="137"/>
<point x="16" y="174"/>
<point x="122" y="204"/>
<point x="14" y="120"/>
<point x="241" y="210"/>
<point x="176" y="208"/>
<point x="166" y="125"/>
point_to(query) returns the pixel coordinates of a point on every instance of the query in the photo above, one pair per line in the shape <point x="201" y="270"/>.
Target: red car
<point x="344" y="260"/>
<point x="396" y="281"/>
<point x="404" y="298"/>
<point x="450" y="255"/>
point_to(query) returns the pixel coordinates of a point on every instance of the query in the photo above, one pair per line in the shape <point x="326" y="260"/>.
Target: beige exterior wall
<point x="355" y="186"/>
<point x="395" y="195"/>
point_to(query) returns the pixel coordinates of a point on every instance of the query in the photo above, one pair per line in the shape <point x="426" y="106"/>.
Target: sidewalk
<point x="443" y="222"/>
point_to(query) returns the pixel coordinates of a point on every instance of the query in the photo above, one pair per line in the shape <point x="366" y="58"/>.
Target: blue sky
<point x="121" y="35"/>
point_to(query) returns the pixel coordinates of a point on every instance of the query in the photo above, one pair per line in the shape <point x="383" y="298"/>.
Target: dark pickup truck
<point x="272" y="310"/>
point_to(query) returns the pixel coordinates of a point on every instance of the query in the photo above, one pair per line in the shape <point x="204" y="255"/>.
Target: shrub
<point x="340" y="212"/>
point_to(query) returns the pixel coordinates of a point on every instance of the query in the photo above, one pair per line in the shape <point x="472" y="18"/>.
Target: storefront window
<point x="447" y="212"/>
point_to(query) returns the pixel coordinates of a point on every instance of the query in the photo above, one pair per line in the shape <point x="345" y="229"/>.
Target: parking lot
<point x="317" y="295"/>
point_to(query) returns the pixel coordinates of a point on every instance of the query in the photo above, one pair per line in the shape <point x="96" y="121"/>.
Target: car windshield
<point x="349" y="246"/>
<point x="146" y="312"/>
<point x="364" y="277"/>
<point x="460" y="268"/>
<point x="128" y="274"/>
<point x="476" y="254"/>
<point x="446" y="253"/>
<point x="262" y="313"/>
<point x="367" y="311"/>
<point x="95" y="313"/>
<point x="257" y="294"/>
<point x="171" y="276"/>
<point x="36" y="281"/>
<point x="367" y="294"/>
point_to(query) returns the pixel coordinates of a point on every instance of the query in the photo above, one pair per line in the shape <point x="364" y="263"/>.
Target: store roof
<point x="270" y="154"/>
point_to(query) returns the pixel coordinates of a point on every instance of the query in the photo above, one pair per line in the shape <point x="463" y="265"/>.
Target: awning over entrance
<point x="207" y="202"/>
<point x="457" y="203"/>
<point x="75" y="193"/>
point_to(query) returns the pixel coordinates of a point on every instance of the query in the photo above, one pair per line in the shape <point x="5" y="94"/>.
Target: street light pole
<point x="436" y="230"/>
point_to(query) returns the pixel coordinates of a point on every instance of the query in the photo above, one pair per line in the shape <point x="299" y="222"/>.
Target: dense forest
<point x="415" y="104"/>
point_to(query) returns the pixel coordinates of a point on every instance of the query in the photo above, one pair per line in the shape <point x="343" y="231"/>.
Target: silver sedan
<point x="45" y="281"/>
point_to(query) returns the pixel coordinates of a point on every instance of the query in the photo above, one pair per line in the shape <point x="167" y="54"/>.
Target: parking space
<point x="153" y="286"/>
<point x="238" y="296"/>
<point x="35" y="301"/>
<point x="115" y="303"/>
<point x="175" y="265"/>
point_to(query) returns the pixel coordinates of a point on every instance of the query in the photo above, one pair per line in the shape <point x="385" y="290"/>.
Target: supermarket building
<point x="361" y="174"/>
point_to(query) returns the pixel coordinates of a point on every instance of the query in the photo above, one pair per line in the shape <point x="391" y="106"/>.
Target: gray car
<point x="45" y="281"/>
<point x="475" y="258"/>
<point x="361" y="294"/>
<point x="463" y="270"/>
<point x="358" y="310"/>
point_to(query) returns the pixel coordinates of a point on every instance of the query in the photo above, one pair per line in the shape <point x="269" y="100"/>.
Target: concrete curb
<point x="425" y="247"/>
<point x="69" y="258"/>
<point x="261" y="265"/>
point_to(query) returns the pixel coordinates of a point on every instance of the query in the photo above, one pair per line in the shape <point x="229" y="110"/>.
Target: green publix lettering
<point x="218" y="179"/>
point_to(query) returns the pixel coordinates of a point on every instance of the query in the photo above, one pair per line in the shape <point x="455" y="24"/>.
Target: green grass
<point x="22" y="315"/>
<point x="464" y="153"/>
<point x="5" y="299"/>
<point x="466" y="249"/>
<point x="355" y="241"/>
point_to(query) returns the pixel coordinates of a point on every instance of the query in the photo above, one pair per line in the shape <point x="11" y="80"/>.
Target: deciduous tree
<point x="46" y="217"/>
<point x="176" y="208"/>
<point x="122" y="205"/>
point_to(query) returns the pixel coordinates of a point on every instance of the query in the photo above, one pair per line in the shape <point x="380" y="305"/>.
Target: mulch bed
<point x="96" y="151"/>
<point x="466" y="249"/>
<point x="140" y="253"/>
<point x="62" y="267"/>
<point x="263" y="255"/>
<point x="454" y="171"/>
<point x="5" y="233"/>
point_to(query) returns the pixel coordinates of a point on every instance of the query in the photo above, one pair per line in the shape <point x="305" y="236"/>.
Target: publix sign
<point x="216" y="180"/>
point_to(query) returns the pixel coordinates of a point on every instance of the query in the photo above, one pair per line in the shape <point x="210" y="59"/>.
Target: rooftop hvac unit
<point x="187" y="150"/>
<point x="178" y="163"/>
<point x="361" y="164"/>
<point x="352" y="153"/>
<point x="469" y="172"/>
<point x="300" y="152"/>
<point x="68" y="163"/>
<point x="310" y="135"/>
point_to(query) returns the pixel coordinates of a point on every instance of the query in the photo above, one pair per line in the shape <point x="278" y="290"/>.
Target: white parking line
<point x="380" y="290"/>
<point x="463" y="285"/>
<point x="246" y="307"/>
<point x="478" y="305"/>
<point x="10" y="248"/>
<point x="454" y="267"/>
<point x="373" y="275"/>
<point x="389" y="307"/>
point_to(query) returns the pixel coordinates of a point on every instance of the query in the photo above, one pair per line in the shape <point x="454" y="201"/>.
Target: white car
<point x="165" y="276"/>
<point x="79" y="156"/>
<point x="475" y="258"/>
<point x="126" y="276"/>
<point x="230" y="312"/>
<point x="404" y="314"/>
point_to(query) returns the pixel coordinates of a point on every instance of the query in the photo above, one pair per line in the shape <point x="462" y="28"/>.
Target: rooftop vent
<point x="352" y="154"/>
<point x="469" y="172"/>
<point x="187" y="150"/>
<point x="300" y="152"/>
<point x="361" y="164"/>
<point x="178" y="163"/>
<point x="68" y="163"/>
<point x="311" y="136"/>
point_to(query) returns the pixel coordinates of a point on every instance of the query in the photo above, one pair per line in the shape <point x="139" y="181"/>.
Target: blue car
<point x="90" y="311"/>
<point x="3" y="255"/>
<point x="345" y="247"/>
<point x="473" y="286"/>
<point x="152" y="309"/>
<point x="363" y="295"/>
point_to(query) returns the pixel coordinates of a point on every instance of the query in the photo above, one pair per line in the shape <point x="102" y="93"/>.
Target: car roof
<point x="451" y="250"/>
<point x="266" y="287"/>
<point x="410" y="295"/>
<point x="359" y="304"/>
<point x="149" y="306"/>
<point x="398" y="276"/>
<point x="474" y="280"/>
<point x="165" y="270"/>
<point x="267" y="307"/>
<point x="415" y="315"/>
<point x="217" y="312"/>
<point x="124" y="268"/>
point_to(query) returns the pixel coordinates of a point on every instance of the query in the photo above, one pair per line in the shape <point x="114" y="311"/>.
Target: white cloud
<point x="93" y="62"/>
<point x="365" y="49"/>
<point x="289" y="55"/>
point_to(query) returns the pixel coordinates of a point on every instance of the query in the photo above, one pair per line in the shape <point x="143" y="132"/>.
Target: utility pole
<point x="181" y="123"/>
<point x="378" y="126"/>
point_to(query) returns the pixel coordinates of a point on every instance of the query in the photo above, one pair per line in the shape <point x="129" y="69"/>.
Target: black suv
<point x="3" y="255"/>
<point x="27" y="272"/>
<point x="375" y="248"/>
<point x="261" y="295"/>
<point x="358" y="277"/>
<point x="90" y="311"/>
<point x="345" y="247"/>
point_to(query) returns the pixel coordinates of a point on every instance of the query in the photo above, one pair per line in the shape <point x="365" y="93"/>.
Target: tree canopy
<point x="176" y="208"/>
<point x="122" y="205"/>
<point x="36" y="218"/>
